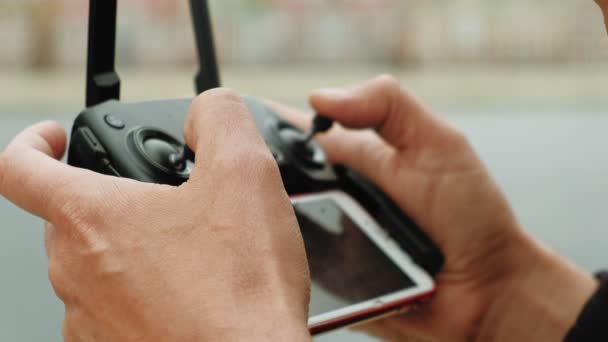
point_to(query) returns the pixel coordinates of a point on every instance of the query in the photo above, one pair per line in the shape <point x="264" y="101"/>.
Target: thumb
<point x="220" y="129"/>
<point x="604" y="6"/>
<point x="33" y="178"/>
<point x="380" y="104"/>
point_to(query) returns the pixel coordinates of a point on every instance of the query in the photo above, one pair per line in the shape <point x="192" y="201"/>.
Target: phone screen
<point x="346" y="266"/>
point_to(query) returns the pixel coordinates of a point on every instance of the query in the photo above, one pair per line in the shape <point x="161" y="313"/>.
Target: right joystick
<point x="302" y="146"/>
<point x="320" y="124"/>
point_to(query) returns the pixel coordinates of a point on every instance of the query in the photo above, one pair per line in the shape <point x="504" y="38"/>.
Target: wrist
<point x="257" y="322"/>
<point x="539" y="300"/>
<point x="271" y="330"/>
<point x="255" y="328"/>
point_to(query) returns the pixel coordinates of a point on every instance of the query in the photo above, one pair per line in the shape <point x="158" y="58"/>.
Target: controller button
<point x="91" y="143"/>
<point x="114" y="122"/>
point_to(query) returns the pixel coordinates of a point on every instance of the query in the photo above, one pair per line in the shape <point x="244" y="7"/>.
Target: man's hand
<point x="219" y="258"/>
<point x="604" y="6"/>
<point x="497" y="284"/>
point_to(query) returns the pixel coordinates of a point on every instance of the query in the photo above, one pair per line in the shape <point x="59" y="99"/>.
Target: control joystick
<point x="320" y="124"/>
<point x="160" y="152"/>
<point x="180" y="158"/>
<point x="301" y="145"/>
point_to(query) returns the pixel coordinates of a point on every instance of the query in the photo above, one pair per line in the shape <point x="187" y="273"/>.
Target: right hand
<point x="604" y="6"/>
<point x="431" y="171"/>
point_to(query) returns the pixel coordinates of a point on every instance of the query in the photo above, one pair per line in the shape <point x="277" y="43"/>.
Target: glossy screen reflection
<point x="346" y="266"/>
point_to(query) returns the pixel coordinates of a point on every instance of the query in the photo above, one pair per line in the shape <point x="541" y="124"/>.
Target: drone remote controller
<point x="144" y="141"/>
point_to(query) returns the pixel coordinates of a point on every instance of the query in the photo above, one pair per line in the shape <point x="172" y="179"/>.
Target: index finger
<point x="381" y="104"/>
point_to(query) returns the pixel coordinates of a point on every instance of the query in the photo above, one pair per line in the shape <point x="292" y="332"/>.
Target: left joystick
<point x="180" y="158"/>
<point x="161" y="151"/>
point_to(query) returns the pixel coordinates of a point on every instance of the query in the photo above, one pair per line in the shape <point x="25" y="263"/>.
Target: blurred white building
<point x="404" y="32"/>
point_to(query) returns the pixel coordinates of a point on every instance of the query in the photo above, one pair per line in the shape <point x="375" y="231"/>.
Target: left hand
<point x="217" y="259"/>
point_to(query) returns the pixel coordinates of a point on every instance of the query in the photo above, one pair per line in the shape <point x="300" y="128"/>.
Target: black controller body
<point x="133" y="141"/>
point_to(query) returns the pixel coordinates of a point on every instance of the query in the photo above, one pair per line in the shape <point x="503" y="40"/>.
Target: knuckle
<point x="453" y="138"/>
<point x="460" y="139"/>
<point x="243" y="159"/>
<point x="226" y="167"/>
<point x="259" y="157"/>
<point x="208" y="99"/>
<point x="267" y="171"/>
<point x="389" y="82"/>
<point x="197" y="107"/>
<point x="3" y="170"/>
<point x="255" y="163"/>
<point x="223" y="94"/>
<point x="266" y="163"/>
<point x="213" y="105"/>
<point x="70" y="207"/>
<point x="58" y="279"/>
<point x="391" y="88"/>
<point x="78" y="208"/>
<point x="55" y="275"/>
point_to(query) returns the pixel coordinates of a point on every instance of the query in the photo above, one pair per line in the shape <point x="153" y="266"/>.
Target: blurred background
<point x="527" y="81"/>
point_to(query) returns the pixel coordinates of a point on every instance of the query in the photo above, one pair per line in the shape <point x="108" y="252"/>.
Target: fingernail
<point x="332" y="93"/>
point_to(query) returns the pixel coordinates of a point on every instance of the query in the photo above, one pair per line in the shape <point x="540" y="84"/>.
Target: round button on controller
<point x="114" y="122"/>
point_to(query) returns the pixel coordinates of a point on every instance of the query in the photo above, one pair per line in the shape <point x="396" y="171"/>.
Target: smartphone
<point x="358" y="272"/>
